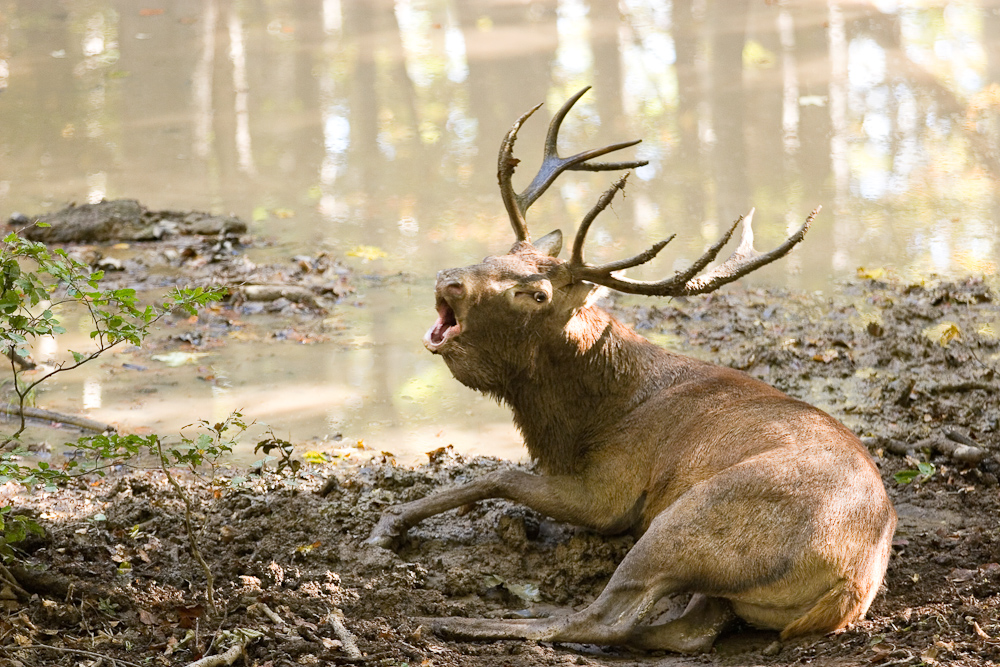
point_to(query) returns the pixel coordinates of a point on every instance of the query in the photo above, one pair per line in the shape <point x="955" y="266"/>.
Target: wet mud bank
<point x="152" y="250"/>
<point x="912" y="368"/>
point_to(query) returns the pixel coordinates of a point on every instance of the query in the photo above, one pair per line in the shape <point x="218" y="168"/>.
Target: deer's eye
<point x="541" y="297"/>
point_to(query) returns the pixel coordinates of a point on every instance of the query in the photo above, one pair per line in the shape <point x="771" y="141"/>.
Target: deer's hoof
<point x="383" y="541"/>
<point x="387" y="532"/>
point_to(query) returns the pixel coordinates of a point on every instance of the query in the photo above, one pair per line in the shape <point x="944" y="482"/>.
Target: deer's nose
<point x="453" y="288"/>
<point x="450" y="283"/>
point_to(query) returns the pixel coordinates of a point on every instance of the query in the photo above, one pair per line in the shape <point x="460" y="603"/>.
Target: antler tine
<point x="552" y="165"/>
<point x="576" y="259"/>
<point x="746" y="258"/>
<point x="687" y="283"/>
<point x="506" y="162"/>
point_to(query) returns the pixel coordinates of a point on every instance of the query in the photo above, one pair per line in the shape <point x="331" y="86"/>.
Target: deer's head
<point x="492" y="315"/>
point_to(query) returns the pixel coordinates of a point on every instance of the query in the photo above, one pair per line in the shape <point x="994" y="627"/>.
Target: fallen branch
<point x="293" y="293"/>
<point x="58" y="417"/>
<point x="957" y="451"/>
<point x="24" y="363"/>
<point x="267" y="611"/>
<point x="349" y="642"/>
<point x="229" y="656"/>
<point x="960" y="452"/>
<point x="960" y="388"/>
<point x="56" y="586"/>
<point x="89" y="654"/>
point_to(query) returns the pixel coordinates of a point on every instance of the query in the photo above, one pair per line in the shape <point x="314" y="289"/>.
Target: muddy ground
<point x="912" y="368"/>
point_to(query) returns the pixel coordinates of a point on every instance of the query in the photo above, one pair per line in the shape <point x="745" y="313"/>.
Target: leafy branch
<point x="115" y="314"/>
<point x="29" y="299"/>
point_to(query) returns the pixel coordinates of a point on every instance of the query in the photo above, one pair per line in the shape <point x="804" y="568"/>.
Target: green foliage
<point x="923" y="472"/>
<point x="36" y="283"/>
<point x="30" y="298"/>
<point x="37" y="474"/>
<point x="107" y="606"/>
<point x="284" y="458"/>
<point x="14" y="528"/>
<point x="213" y="442"/>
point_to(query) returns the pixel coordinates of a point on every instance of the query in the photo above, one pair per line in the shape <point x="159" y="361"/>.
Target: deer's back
<point x="708" y="419"/>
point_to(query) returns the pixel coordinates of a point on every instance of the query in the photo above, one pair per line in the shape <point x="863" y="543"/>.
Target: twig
<point x="89" y="654"/>
<point x="347" y="639"/>
<point x="227" y="657"/>
<point x="267" y="611"/>
<point x="192" y="540"/>
<point x="215" y="637"/>
<point x="49" y="415"/>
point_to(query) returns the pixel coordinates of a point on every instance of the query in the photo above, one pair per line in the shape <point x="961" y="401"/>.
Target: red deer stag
<point x="764" y="507"/>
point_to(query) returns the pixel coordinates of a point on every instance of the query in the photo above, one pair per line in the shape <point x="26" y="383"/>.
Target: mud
<point x="150" y="250"/>
<point x="902" y="364"/>
<point x="123" y="220"/>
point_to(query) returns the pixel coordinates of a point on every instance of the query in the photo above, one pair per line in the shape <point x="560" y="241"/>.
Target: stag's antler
<point x="552" y="166"/>
<point x="684" y="283"/>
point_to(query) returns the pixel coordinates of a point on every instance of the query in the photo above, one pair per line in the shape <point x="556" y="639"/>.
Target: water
<point x="337" y="125"/>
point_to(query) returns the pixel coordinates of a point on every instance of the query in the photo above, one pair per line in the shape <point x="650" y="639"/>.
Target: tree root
<point x="8" y="578"/>
<point x="55" y="586"/>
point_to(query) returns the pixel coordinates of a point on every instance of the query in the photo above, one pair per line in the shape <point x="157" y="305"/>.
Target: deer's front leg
<point x="564" y="498"/>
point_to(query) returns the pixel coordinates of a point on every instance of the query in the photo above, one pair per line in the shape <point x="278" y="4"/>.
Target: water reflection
<point x="338" y="123"/>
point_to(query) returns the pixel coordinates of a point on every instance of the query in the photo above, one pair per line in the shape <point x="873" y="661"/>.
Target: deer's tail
<point x="848" y="600"/>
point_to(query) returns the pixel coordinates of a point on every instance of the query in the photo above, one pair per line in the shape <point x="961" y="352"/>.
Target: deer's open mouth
<point x="447" y="326"/>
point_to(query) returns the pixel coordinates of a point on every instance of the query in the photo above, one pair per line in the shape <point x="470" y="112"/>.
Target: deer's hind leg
<point x="615" y="618"/>
<point x="649" y="571"/>
<point x="695" y="545"/>
<point x="694" y="631"/>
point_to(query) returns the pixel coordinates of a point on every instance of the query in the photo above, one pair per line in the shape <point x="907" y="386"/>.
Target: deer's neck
<point x="580" y="385"/>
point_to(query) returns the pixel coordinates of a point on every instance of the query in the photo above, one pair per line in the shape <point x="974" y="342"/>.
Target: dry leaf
<point x="826" y="356"/>
<point x="367" y="253"/>
<point x="148" y="617"/>
<point x="960" y="574"/>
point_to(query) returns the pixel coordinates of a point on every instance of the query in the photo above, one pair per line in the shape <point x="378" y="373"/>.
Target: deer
<point x="762" y="507"/>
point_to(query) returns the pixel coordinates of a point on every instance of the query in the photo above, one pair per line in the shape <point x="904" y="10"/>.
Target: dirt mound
<point x="125" y="220"/>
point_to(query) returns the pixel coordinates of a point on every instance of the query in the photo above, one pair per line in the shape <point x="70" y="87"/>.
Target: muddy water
<point x="369" y="129"/>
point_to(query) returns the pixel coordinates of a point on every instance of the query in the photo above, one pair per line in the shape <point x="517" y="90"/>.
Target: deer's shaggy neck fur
<point x="577" y="384"/>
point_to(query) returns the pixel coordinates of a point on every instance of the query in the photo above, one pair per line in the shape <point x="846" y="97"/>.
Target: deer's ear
<point x="550" y="244"/>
